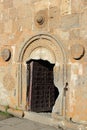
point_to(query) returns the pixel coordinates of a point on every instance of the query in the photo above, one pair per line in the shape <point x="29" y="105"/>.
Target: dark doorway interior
<point x="41" y="91"/>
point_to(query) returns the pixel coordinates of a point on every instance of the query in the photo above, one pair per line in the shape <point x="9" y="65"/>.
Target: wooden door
<point x="41" y="89"/>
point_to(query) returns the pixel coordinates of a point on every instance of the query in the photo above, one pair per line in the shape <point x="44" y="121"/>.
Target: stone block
<point x="77" y="6"/>
<point x="69" y="21"/>
<point x="1" y="27"/>
<point x="8" y="27"/>
<point x="8" y="4"/>
<point x="13" y="13"/>
<point x="53" y="17"/>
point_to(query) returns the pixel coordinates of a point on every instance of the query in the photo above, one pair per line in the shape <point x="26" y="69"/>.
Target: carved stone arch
<point x="43" y="43"/>
<point x="42" y="36"/>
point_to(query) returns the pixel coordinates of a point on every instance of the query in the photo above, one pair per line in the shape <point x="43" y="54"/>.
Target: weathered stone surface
<point x="65" y="7"/>
<point x="69" y="22"/>
<point x="4" y="97"/>
<point x="8" y="82"/>
<point x="83" y="24"/>
<point x="77" y="7"/>
<point x="63" y="24"/>
<point x="6" y="54"/>
<point x="77" y="51"/>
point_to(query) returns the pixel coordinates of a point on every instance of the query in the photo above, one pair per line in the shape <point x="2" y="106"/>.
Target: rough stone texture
<point x="65" y="25"/>
<point x="16" y="124"/>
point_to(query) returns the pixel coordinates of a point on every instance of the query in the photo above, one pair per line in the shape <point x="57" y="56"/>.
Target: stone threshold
<point x="59" y="122"/>
<point x="44" y="118"/>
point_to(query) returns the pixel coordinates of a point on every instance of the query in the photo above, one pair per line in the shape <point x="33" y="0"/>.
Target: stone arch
<point x="41" y="36"/>
<point x="39" y="45"/>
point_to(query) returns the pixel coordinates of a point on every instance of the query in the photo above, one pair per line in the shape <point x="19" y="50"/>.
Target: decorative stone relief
<point x="41" y="18"/>
<point x="77" y="51"/>
<point x="6" y="54"/>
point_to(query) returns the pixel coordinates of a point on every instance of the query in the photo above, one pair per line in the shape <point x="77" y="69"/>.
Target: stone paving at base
<point x="23" y="124"/>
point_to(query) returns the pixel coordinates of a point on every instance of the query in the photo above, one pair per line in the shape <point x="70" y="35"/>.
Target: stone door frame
<point x="22" y="65"/>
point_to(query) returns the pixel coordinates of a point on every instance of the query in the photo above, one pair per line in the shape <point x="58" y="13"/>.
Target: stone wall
<point x="66" y="20"/>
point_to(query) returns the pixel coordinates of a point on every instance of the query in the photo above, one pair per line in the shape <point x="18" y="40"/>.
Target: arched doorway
<point x="41" y="91"/>
<point x="46" y="48"/>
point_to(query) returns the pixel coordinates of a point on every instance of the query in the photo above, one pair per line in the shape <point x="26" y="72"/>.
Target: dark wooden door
<point x="41" y="89"/>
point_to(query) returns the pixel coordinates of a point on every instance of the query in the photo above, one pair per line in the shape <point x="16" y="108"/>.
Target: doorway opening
<point x="41" y="91"/>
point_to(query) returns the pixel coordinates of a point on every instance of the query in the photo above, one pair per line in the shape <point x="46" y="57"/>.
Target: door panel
<point x="41" y="87"/>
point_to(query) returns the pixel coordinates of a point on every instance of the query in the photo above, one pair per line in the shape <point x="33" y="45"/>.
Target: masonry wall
<point x="66" y="20"/>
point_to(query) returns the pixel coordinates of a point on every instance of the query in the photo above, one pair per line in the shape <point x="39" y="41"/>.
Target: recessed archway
<point x="44" y="47"/>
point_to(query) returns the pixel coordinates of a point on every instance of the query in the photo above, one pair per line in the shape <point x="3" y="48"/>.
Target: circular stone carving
<point x="77" y="51"/>
<point x="41" y="19"/>
<point x="6" y="54"/>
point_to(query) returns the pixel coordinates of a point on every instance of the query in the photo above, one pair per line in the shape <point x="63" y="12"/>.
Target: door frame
<point x="52" y="43"/>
